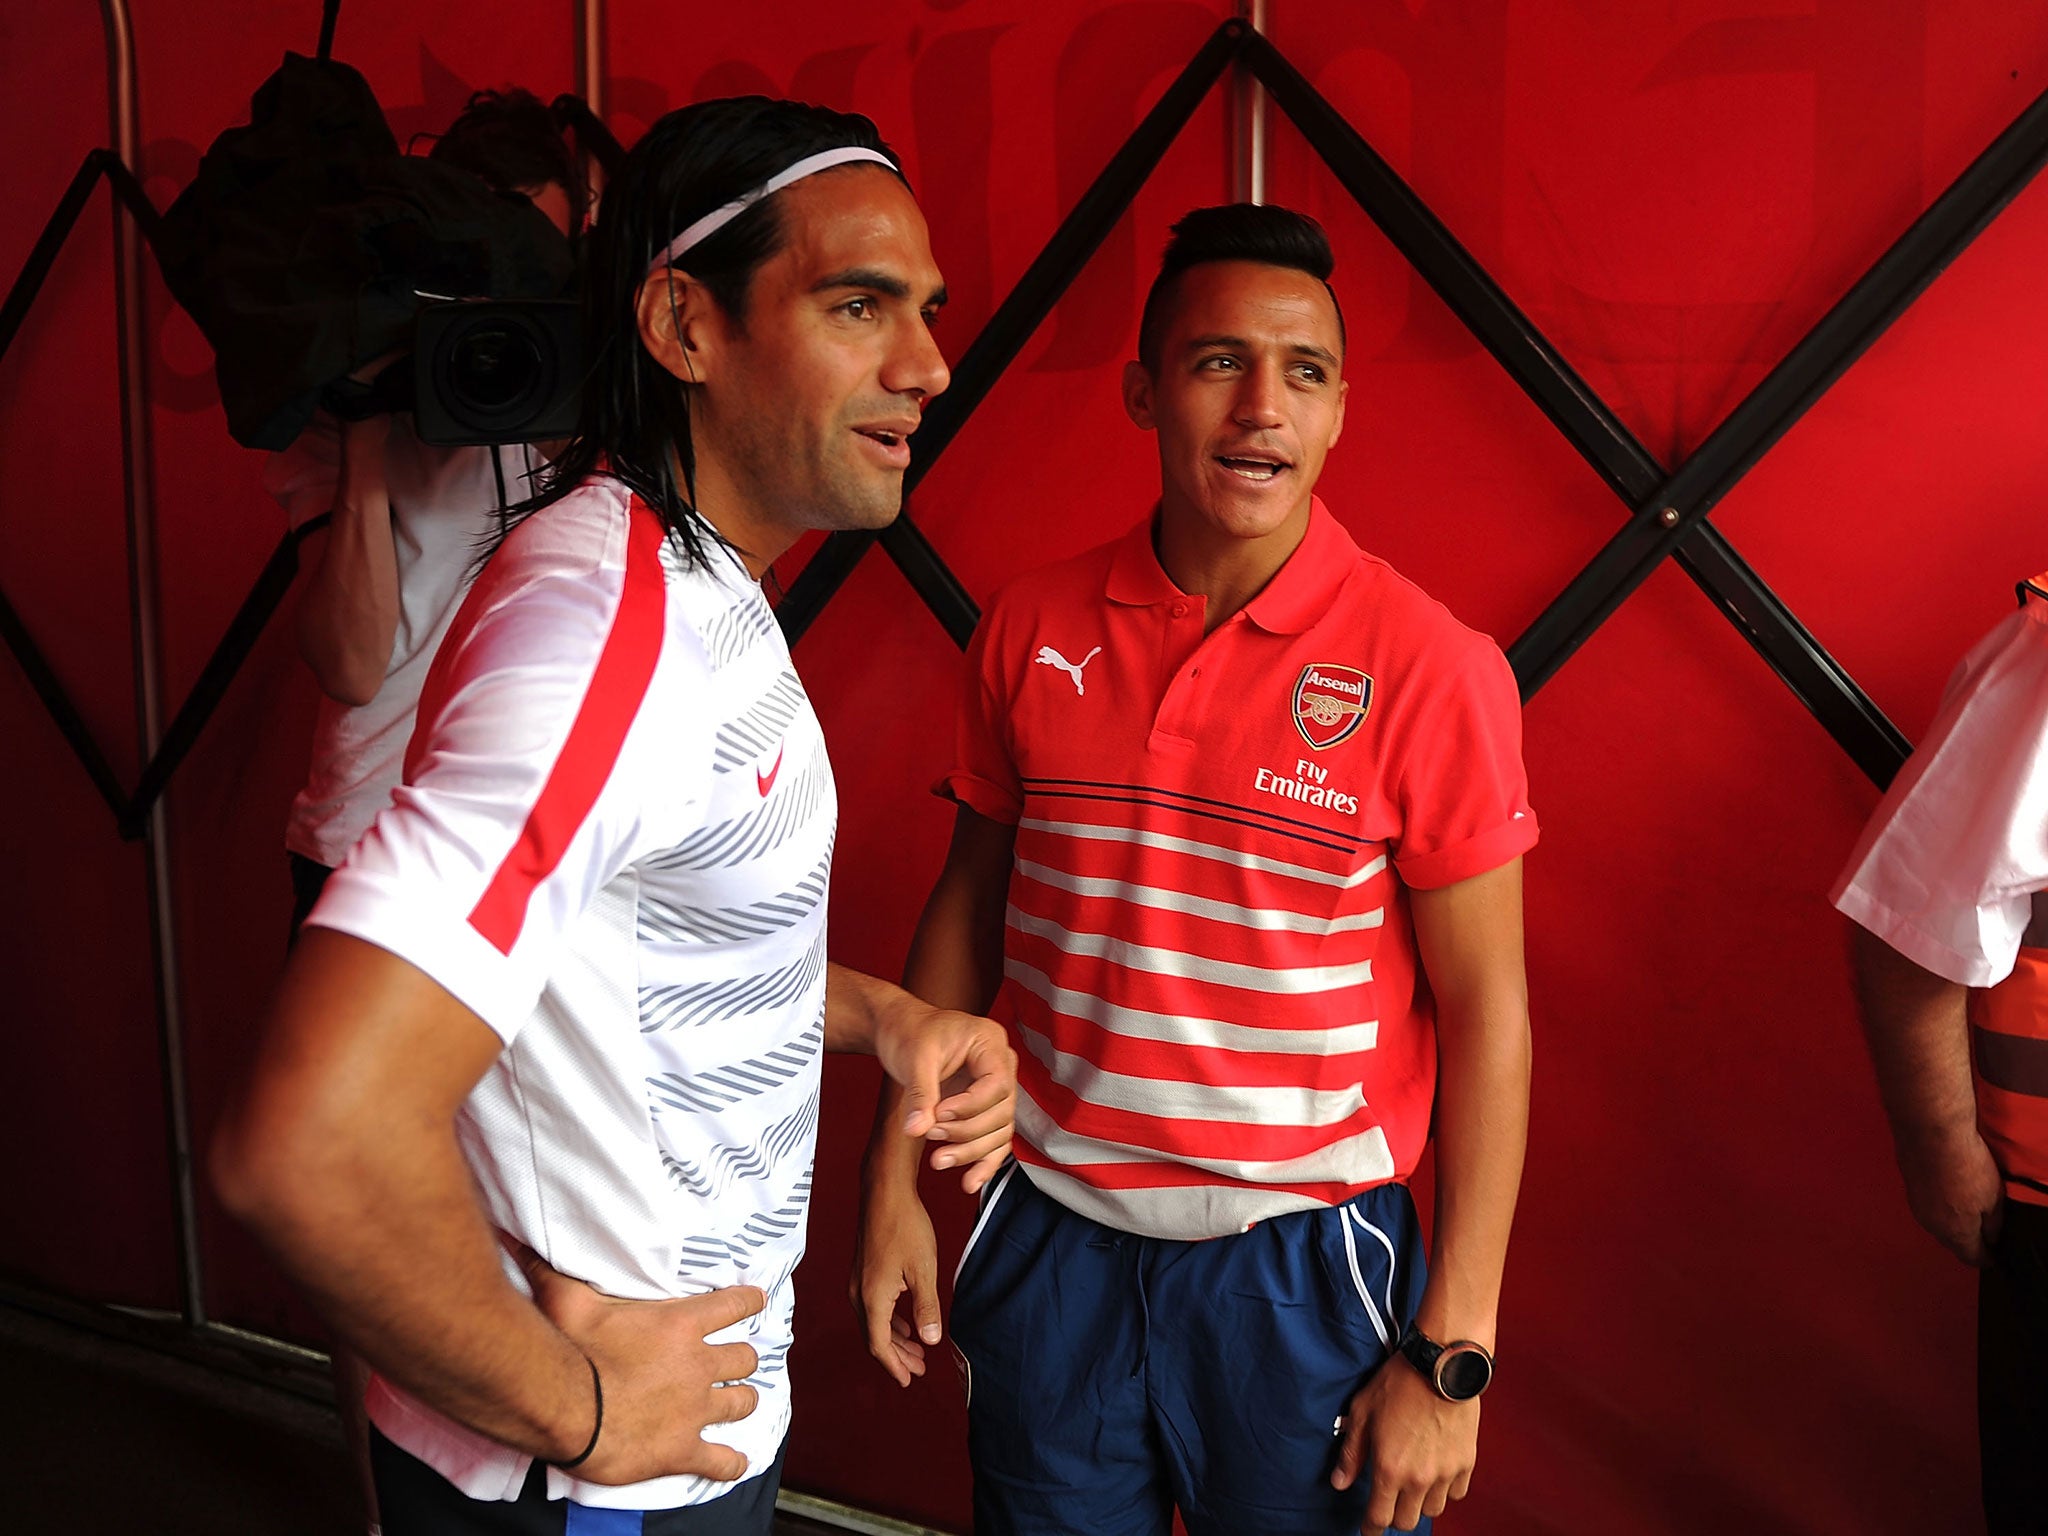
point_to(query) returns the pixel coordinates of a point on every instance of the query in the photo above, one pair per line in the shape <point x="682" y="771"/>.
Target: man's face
<point x="1247" y="399"/>
<point x="817" y="390"/>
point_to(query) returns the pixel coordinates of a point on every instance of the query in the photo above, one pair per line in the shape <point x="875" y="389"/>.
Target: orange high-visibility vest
<point x="2009" y="1047"/>
<point x="2009" y="1052"/>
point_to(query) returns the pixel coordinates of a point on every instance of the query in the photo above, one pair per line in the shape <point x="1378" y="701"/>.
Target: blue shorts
<point x="1112" y="1378"/>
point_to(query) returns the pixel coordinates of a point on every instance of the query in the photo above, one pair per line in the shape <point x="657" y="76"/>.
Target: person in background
<point x="405" y="524"/>
<point x="1948" y="889"/>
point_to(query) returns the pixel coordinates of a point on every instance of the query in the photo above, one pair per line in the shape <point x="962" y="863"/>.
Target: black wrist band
<point x="597" y="1390"/>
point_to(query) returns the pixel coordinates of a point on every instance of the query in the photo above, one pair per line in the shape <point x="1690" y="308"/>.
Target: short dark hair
<point x="635" y="419"/>
<point x="510" y="139"/>
<point x="1260" y="232"/>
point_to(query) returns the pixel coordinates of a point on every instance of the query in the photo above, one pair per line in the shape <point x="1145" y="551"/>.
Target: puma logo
<point x="1048" y="657"/>
<point x="766" y="782"/>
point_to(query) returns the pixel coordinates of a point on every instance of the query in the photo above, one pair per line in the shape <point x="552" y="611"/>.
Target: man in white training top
<point x="535" y="1118"/>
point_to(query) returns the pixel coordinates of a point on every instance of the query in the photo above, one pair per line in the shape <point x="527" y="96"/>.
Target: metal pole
<point x="140" y="496"/>
<point x="590" y="53"/>
<point x="1248" y="119"/>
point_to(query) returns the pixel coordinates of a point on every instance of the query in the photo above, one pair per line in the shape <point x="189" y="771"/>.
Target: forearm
<point x="348" y="615"/>
<point x="341" y="1155"/>
<point x="1482" y="1127"/>
<point x="390" y="1245"/>
<point x="854" y="1005"/>
<point x="1917" y="1027"/>
<point x="412" y="1278"/>
<point x="955" y="962"/>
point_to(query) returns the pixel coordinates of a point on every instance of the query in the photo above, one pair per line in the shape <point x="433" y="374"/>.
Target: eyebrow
<point x="880" y="282"/>
<point x="1306" y="349"/>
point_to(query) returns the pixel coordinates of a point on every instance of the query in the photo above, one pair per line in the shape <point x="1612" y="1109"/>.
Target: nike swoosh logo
<point x="766" y="782"/>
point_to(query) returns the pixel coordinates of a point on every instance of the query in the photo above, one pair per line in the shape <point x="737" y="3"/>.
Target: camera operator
<point x="409" y="521"/>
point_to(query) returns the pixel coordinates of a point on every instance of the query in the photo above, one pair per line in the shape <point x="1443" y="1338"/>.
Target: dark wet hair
<point x="1261" y="232"/>
<point x="635" y="419"/>
<point x="509" y="138"/>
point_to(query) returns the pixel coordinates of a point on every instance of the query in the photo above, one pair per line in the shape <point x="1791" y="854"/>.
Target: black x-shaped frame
<point x="131" y="810"/>
<point x="1667" y="509"/>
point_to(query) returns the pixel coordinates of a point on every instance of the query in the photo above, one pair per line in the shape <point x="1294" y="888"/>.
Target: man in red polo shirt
<point x="1240" y="821"/>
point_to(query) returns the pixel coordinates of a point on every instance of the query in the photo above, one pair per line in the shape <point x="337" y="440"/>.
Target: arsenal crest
<point x="1330" y="702"/>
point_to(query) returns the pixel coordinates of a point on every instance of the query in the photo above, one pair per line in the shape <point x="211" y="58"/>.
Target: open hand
<point x="664" y="1382"/>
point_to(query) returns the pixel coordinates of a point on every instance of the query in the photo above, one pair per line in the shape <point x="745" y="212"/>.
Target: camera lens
<point x="494" y="366"/>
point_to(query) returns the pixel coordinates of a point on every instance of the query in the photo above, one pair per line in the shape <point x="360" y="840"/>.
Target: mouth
<point x="891" y="443"/>
<point x="1259" y="468"/>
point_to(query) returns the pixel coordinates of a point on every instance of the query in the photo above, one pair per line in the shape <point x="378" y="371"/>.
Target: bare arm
<point x="1419" y="1448"/>
<point x="956" y="961"/>
<point x="1917" y="1027"/>
<point x="348" y="611"/>
<point x="1470" y="939"/>
<point x="341" y="1155"/>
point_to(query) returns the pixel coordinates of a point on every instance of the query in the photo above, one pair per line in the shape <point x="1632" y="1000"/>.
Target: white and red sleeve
<point x="548" y="757"/>
<point x="1946" y="870"/>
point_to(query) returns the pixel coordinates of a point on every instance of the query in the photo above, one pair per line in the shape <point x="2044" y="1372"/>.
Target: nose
<point x="916" y="366"/>
<point x="1259" y="395"/>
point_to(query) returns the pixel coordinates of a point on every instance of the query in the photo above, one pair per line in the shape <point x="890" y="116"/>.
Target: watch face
<point x="1464" y="1373"/>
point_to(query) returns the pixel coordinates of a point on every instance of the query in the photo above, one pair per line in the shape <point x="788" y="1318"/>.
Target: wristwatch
<point x="1459" y="1371"/>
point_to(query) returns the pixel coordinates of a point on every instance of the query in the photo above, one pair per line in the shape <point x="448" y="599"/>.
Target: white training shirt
<point x="444" y="505"/>
<point x="613" y="843"/>
<point x="1946" y="870"/>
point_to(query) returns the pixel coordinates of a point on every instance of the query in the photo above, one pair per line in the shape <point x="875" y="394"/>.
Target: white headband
<point x="718" y="218"/>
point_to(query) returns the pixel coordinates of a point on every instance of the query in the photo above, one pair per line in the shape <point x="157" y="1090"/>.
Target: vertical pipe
<point x="1248" y="119"/>
<point x="140" y="497"/>
<point x="590" y="54"/>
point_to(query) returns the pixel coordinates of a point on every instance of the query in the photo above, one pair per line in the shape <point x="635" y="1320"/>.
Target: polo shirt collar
<point x="1299" y="594"/>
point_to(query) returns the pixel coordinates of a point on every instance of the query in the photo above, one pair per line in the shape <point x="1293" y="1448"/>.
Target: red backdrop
<point x="1718" y="1313"/>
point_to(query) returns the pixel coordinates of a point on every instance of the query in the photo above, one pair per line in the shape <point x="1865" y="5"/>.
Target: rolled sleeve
<point x="984" y="775"/>
<point x="1464" y="794"/>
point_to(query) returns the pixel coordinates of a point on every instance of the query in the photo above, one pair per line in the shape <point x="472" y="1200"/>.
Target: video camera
<point x="480" y="371"/>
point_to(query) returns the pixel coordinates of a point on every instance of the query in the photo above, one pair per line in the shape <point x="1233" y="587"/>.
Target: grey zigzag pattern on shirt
<point x="741" y="741"/>
<point x="733" y="633"/>
<point x="708" y="1002"/>
<point x="709" y="1092"/>
<point x="769" y="1365"/>
<point x="749" y="836"/>
<point x="725" y="1165"/>
<point x="724" y="925"/>
<point x="772" y="1226"/>
<point x="758" y="1232"/>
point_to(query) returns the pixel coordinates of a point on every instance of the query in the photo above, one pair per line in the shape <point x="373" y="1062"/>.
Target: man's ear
<point x="675" y="326"/>
<point x="1343" y="390"/>
<point x="1138" y="396"/>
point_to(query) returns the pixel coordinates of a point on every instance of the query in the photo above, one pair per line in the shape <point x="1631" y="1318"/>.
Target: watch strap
<point x="1426" y="1355"/>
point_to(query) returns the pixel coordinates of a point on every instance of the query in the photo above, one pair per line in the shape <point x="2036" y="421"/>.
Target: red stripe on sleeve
<point x="624" y="669"/>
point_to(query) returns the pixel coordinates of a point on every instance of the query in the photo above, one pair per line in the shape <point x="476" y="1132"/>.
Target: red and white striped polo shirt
<point x="1208" y="955"/>
<point x="613" y="843"/>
